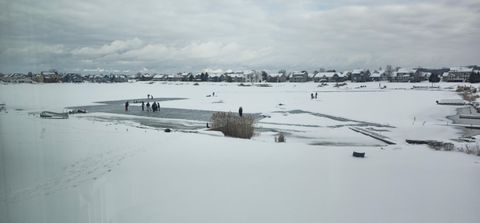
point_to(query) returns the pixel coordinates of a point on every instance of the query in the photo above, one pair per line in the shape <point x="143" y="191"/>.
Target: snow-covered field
<point x="102" y="168"/>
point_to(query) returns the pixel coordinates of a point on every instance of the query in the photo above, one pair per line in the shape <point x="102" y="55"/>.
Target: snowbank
<point x="85" y="170"/>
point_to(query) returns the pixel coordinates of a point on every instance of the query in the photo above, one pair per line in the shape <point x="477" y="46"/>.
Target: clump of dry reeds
<point x="470" y="149"/>
<point x="233" y="125"/>
<point x="470" y="97"/>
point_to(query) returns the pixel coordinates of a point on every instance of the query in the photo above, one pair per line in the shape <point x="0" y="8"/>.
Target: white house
<point x="326" y="76"/>
<point x="378" y="75"/>
<point x="360" y="75"/>
<point x="458" y="74"/>
<point x="276" y="77"/>
<point x="299" y="77"/>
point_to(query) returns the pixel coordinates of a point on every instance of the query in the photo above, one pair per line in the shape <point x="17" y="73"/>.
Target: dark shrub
<point x="280" y="137"/>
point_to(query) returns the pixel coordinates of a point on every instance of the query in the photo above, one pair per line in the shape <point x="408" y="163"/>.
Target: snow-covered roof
<point x="375" y="74"/>
<point x="237" y="75"/>
<point x="174" y="75"/>
<point x="358" y="71"/>
<point x="275" y="75"/>
<point x="248" y="72"/>
<point x="461" y="69"/>
<point x="48" y="73"/>
<point x="158" y="76"/>
<point x="298" y="73"/>
<point x="342" y="74"/>
<point x="215" y="74"/>
<point x="326" y="74"/>
<point x="406" y="71"/>
<point x="445" y="74"/>
<point x="426" y="74"/>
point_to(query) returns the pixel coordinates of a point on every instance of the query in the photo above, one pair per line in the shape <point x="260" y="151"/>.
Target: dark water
<point x="457" y="120"/>
<point x="160" y="119"/>
<point x="118" y="107"/>
<point x="194" y="119"/>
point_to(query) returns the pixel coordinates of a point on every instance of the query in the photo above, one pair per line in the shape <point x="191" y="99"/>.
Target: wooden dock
<point x="373" y="135"/>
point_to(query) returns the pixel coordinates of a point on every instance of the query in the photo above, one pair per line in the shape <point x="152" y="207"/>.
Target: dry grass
<point x="466" y="89"/>
<point x="470" y="149"/>
<point x="467" y="96"/>
<point x="468" y="93"/>
<point x="233" y="125"/>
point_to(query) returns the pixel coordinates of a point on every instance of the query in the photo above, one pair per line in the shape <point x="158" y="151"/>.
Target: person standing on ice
<point x="143" y="106"/>
<point x="148" y="106"/>
<point x="154" y="106"/>
<point x="126" y="106"/>
<point x="240" y="111"/>
<point x="158" y="106"/>
<point x="316" y="94"/>
<point x="311" y="96"/>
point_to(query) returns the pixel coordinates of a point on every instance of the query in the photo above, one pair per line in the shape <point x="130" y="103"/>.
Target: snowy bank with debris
<point x="86" y="169"/>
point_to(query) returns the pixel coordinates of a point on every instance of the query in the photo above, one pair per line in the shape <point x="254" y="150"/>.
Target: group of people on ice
<point x="153" y="106"/>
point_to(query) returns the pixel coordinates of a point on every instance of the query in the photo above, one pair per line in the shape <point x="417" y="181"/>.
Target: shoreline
<point x="467" y="132"/>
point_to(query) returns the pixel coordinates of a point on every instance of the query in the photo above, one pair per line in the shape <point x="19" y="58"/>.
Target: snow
<point x="276" y="74"/>
<point x="406" y="71"/>
<point x="326" y="74"/>
<point x="461" y="69"/>
<point x="301" y="119"/>
<point x="84" y="169"/>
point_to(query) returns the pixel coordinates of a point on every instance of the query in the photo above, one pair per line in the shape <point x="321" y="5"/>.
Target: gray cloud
<point x="188" y="35"/>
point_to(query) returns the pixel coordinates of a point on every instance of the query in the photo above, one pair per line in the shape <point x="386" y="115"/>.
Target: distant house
<point x="97" y="78"/>
<point x="216" y="77"/>
<point x="132" y="77"/>
<point x="146" y="77"/>
<point x="198" y="77"/>
<point x="299" y="77"/>
<point x="159" y="77"/>
<point x="72" y="78"/>
<point x="17" y="78"/>
<point x="402" y="75"/>
<point x="378" y="75"/>
<point x="444" y="76"/>
<point x="458" y="74"/>
<point x="237" y="77"/>
<point x="51" y="77"/>
<point x="118" y="78"/>
<point x="37" y="78"/>
<point x="277" y="77"/>
<point x="187" y="76"/>
<point x="425" y="75"/>
<point x="253" y="76"/>
<point x="408" y="75"/>
<point x="174" y="77"/>
<point x="360" y="75"/>
<point x="325" y="77"/>
<point x="311" y="76"/>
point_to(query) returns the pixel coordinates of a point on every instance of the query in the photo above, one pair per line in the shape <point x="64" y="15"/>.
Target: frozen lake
<point x="114" y="166"/>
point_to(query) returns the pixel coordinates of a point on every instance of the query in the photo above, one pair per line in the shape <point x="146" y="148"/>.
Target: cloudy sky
<point x="191" y="35"/>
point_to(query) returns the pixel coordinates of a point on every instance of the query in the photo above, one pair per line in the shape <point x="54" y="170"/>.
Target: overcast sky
<point x="191" y="35"/>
